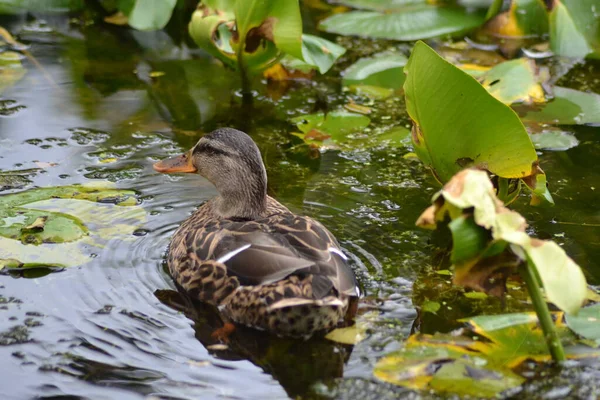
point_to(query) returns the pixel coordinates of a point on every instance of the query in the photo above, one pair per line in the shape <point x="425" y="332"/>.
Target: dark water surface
<point x="107" y="104"/>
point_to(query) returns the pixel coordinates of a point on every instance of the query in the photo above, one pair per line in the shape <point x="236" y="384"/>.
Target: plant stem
<point x="246" y="83"/>
<point x="543" y="314"/>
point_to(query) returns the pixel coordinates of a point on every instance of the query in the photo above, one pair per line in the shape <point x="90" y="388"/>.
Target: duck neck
<point x="242" y="198"/>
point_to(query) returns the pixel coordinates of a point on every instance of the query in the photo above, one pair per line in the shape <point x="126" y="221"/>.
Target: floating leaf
<point x="553" y="139"/>
<point x="568" y="107"/>
<point x="462" y="365"/>
<point x="410" y="23"/>
<point x="586" y="323"/>
<point x="321" y="129"/>
<point x="64" y="225"/>
<point x="513" y="82"/>
<point x="461" y="124"/>
<point x="383" y="69"/>
<point x="40" y="6"/>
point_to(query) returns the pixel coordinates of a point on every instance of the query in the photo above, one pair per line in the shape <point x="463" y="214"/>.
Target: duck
<point x="242" y="251"/>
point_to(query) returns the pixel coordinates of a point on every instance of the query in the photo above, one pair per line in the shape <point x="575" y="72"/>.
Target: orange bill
<point x="182" y="163"/>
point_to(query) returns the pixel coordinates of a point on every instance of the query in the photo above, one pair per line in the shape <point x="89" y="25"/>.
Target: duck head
<point x="231" y="161"/>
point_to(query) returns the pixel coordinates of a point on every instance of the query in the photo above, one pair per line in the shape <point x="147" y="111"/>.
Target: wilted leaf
<point x="383" y="69"/>
<point x="462" y="125"/>
<point x="405" y="23"/>
<point x="482" y="260"/>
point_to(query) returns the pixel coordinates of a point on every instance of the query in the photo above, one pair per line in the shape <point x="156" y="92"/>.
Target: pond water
<point x="106" y="102"/>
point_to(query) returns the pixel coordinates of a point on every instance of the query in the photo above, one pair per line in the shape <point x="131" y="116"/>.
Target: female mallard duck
<point x="243" y="251"/>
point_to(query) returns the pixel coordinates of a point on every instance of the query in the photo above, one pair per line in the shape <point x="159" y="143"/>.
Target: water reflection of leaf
<point x="11" y="69"/>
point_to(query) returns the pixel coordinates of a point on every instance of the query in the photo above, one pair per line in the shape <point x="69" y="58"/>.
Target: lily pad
<point x="553" y="139"/>
<point x="383" y="69"/>
<point x="64" y="226"/>
<point x="320" y="129"/>
<point x="478" y="361"/>
<point x="568" y="107"/>
<point x="413" y="22"/>
<point x="586" y="323"/>
<point x="514" y="81"/>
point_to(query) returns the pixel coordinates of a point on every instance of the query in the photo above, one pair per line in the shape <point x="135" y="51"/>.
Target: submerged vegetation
<point x="477" y="106"/>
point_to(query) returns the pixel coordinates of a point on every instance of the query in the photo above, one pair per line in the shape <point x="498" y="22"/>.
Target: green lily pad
<point x="40" y="6"/>
<point x="568" y="107"/>
<point x="586" y="323"/>
<point x="383" y="69"/>
<point x="514" y="81"/>
<point x="405" y="23"/>
<point x="64" y="226"/>
<point x="323" y="130"/>
<point x="553" y="139"/>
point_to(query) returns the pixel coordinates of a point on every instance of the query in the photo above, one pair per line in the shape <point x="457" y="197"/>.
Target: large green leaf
<point x="568" y="107"/>
<point x="458" y="123"/>
<point x="575" y="28"/>
<point x="383" y="69"/>
<point x="411" y="23"/>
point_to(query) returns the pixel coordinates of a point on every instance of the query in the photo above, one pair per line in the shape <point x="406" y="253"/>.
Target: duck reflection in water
<point x="295" y="363"/>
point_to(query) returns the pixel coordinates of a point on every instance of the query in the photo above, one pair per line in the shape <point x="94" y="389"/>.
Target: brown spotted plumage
<point x="262" y="265"/>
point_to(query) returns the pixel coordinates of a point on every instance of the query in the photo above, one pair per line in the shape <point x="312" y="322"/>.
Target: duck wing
<point x="267" y="250"/>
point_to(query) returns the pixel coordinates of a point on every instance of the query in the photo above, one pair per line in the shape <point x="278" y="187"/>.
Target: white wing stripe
<point x="232" y="253"/>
